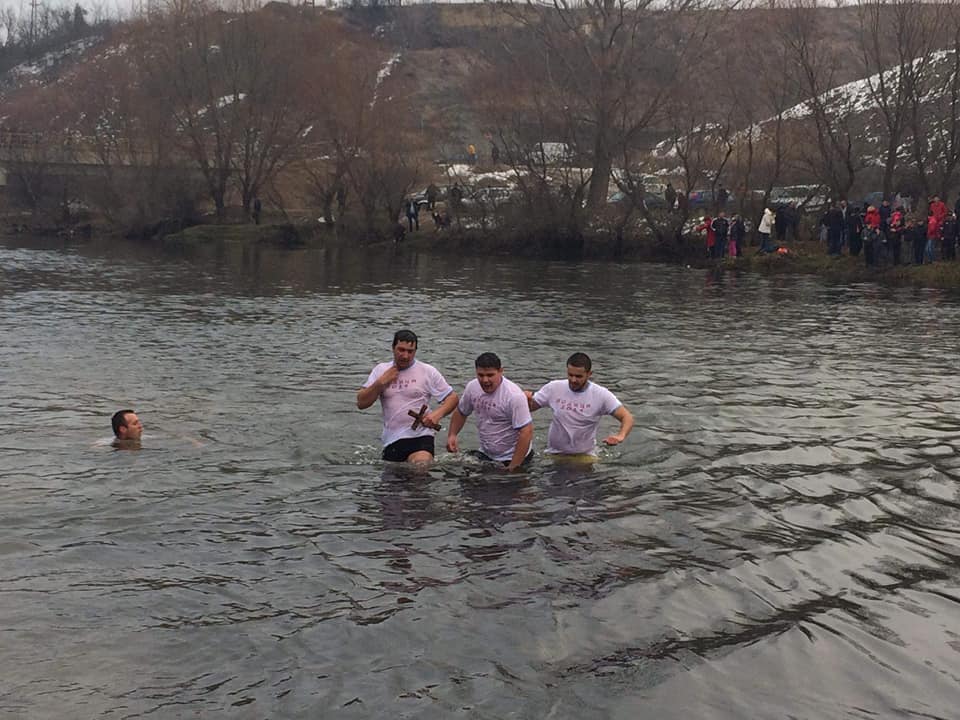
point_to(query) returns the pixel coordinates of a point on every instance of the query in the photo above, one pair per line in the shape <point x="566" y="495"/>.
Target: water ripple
<point x="778" y="537"/>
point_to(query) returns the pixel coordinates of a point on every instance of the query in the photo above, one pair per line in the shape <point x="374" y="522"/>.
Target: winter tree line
<point x="193" y="105"/>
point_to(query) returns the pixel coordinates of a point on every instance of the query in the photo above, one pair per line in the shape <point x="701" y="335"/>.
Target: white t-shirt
<point x="500" y="415"/>
<point x="412" y="389"/>
<point x="576" y="416"/>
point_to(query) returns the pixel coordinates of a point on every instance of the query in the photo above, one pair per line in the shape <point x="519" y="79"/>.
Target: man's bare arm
<point x="367" y="396"/>
<point x="626" y="425"/>
<point x="524" y="439"/>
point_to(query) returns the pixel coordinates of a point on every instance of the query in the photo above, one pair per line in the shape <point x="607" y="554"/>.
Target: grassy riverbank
<point x="801" y="257"/>
<point x="811" y="258"/>
<point x="284" y="234"/>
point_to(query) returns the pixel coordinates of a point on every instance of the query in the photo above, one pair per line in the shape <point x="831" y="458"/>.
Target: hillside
<point x="380" y="99"/>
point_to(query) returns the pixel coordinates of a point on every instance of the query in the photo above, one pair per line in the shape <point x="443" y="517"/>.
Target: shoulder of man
<point x="381" y="368"/>
<point x="511" y="387"/>
<point x="552" y="387"/>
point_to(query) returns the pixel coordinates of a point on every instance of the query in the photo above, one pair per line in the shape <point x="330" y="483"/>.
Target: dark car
<point x="420" y="198"/>
<point x="706" y="198"/>
<point x="650" y="200"/>
<point x="808" y="198"/>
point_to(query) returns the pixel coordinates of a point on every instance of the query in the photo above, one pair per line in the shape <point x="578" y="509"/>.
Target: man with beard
<point x="578" y="405"/>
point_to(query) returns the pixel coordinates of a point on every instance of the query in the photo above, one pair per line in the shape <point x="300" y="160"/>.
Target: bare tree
<point x="231" y="86"/>
<point x="834" y="151"/>
<point x="39" y="154"/>
<point x="363" y="146"/>
<point x="132" y="143"/>
<point x="266" y="60"/>
<point x="183" y="55"/>
<point x="934" y="108"/>
<point x="763" y="90"/>
<point x="896" y="39"/>
<point x="608" y="64"/>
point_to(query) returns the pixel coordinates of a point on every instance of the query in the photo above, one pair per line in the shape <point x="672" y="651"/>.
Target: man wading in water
<point x="578" y="405"/>
<point x="404" y="385"/>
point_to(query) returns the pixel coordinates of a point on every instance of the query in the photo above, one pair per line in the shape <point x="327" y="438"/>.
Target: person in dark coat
<point x="738" y="234"/>
<point x="833" y="221"/>
<point x="845" y="210"/>
<point x="882" y="246"/>
<point x="781" y="223"/>
<point x="948" y="237"/>
<point x="670" y="196"/>
<point x="721" y="227"/>
<point x="456" y="197"/>
<point x="722" y="195"/>
<point x="413" y="214"/>
<point x="916" y="233"/>
<point x="855" y="230"/>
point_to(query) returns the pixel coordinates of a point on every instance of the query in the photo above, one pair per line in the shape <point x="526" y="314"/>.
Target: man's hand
<point x="425" y="419"/>
<point x="531" y="403"/>
<point x="432" y="419"/>
<point x="452" y="444"/>
<point x="388" y="377"/>
<point x="613" y="440"/>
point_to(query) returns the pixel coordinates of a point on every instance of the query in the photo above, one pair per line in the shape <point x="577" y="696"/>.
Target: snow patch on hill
<point x="48" y="61"/>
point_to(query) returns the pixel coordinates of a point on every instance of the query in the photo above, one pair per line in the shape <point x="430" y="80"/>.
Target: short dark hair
<point x="488" y="360"/>
<point x="580" y="360"/>
<point x="119" y="420"/>
<point x="404" y="336"/>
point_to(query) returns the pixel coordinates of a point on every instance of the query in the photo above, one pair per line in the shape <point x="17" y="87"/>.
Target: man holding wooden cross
<point x="405" y="387"/>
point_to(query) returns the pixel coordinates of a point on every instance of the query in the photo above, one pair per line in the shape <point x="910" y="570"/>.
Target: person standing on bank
<point x="403" y="385"/>
<point x="504" y="423"/>
<point x="578" y="405"/>
<point x="413" y="213"/>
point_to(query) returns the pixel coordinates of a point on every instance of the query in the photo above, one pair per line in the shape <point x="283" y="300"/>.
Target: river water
<point x="778" y="538"/>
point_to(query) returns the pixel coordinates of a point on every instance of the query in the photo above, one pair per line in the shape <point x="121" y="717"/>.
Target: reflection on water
<point x="777" y="538"/>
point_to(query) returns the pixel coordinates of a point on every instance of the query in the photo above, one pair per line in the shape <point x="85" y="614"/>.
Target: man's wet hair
<point x="404" y="336"/>
<point x="119" y="420"/>
<point x="488" y="360"/>
<point x="580" y="360"/>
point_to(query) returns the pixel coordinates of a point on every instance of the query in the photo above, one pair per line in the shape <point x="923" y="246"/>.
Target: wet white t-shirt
<point x="500" y="415"/>
<point x="413" y="388"/>
<point x="576" y="416"/>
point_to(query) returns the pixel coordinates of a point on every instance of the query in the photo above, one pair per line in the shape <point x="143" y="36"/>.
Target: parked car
<point x="650" y="200"/>
<point x="551" y="153"/>
<point x="810" y="198"/>
<point x="491" y="196"/>
<point x="707" y="199"/>
<point x="420" y="198"/>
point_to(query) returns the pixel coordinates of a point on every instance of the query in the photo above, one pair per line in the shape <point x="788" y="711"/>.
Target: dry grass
<point x="811" y="258"/>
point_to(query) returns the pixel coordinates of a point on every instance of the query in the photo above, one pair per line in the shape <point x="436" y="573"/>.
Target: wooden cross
<point x="419" y="419"/>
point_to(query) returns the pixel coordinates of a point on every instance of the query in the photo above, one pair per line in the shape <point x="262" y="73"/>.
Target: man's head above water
<point x="126" y="426"/>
